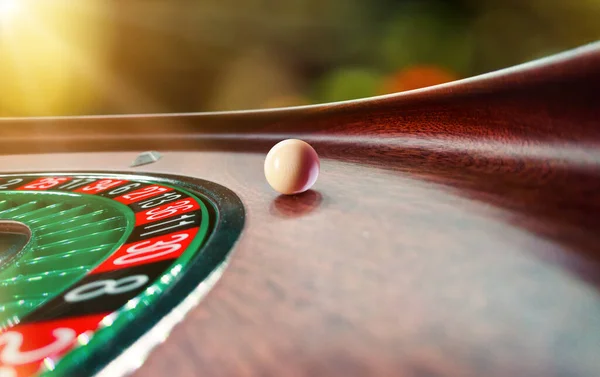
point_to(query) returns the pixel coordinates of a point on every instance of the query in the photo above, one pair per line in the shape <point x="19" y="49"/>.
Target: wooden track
<point x="454" y="231"/>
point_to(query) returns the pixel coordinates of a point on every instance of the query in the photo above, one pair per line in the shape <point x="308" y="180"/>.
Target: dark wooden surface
<point x="454" y="231"/>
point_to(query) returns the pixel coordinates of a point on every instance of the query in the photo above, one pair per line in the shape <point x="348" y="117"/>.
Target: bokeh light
<point x="64" y="57"/>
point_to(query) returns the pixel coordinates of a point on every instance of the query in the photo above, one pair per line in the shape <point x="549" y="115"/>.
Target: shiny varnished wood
<point x="453" y="230"/>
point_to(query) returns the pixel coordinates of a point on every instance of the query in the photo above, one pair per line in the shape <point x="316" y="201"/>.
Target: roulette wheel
<point x="452" y="232"/>
<point x="143" y="231"/>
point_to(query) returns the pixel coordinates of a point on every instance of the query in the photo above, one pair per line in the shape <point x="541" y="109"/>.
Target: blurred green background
<point x="65" y="57"/>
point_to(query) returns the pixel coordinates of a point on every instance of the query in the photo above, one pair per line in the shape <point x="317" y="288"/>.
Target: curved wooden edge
<point x="540" y="66"/>
<point x="519" y="100"/>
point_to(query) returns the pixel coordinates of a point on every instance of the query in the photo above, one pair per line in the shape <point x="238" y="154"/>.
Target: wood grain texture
<point x="453" y="230"/>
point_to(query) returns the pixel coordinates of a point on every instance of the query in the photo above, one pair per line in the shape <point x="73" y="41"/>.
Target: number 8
<point x="109" y="287"/>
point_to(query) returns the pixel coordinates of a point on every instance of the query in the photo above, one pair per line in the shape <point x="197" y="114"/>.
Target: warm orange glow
<point x="417" y="77"/>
